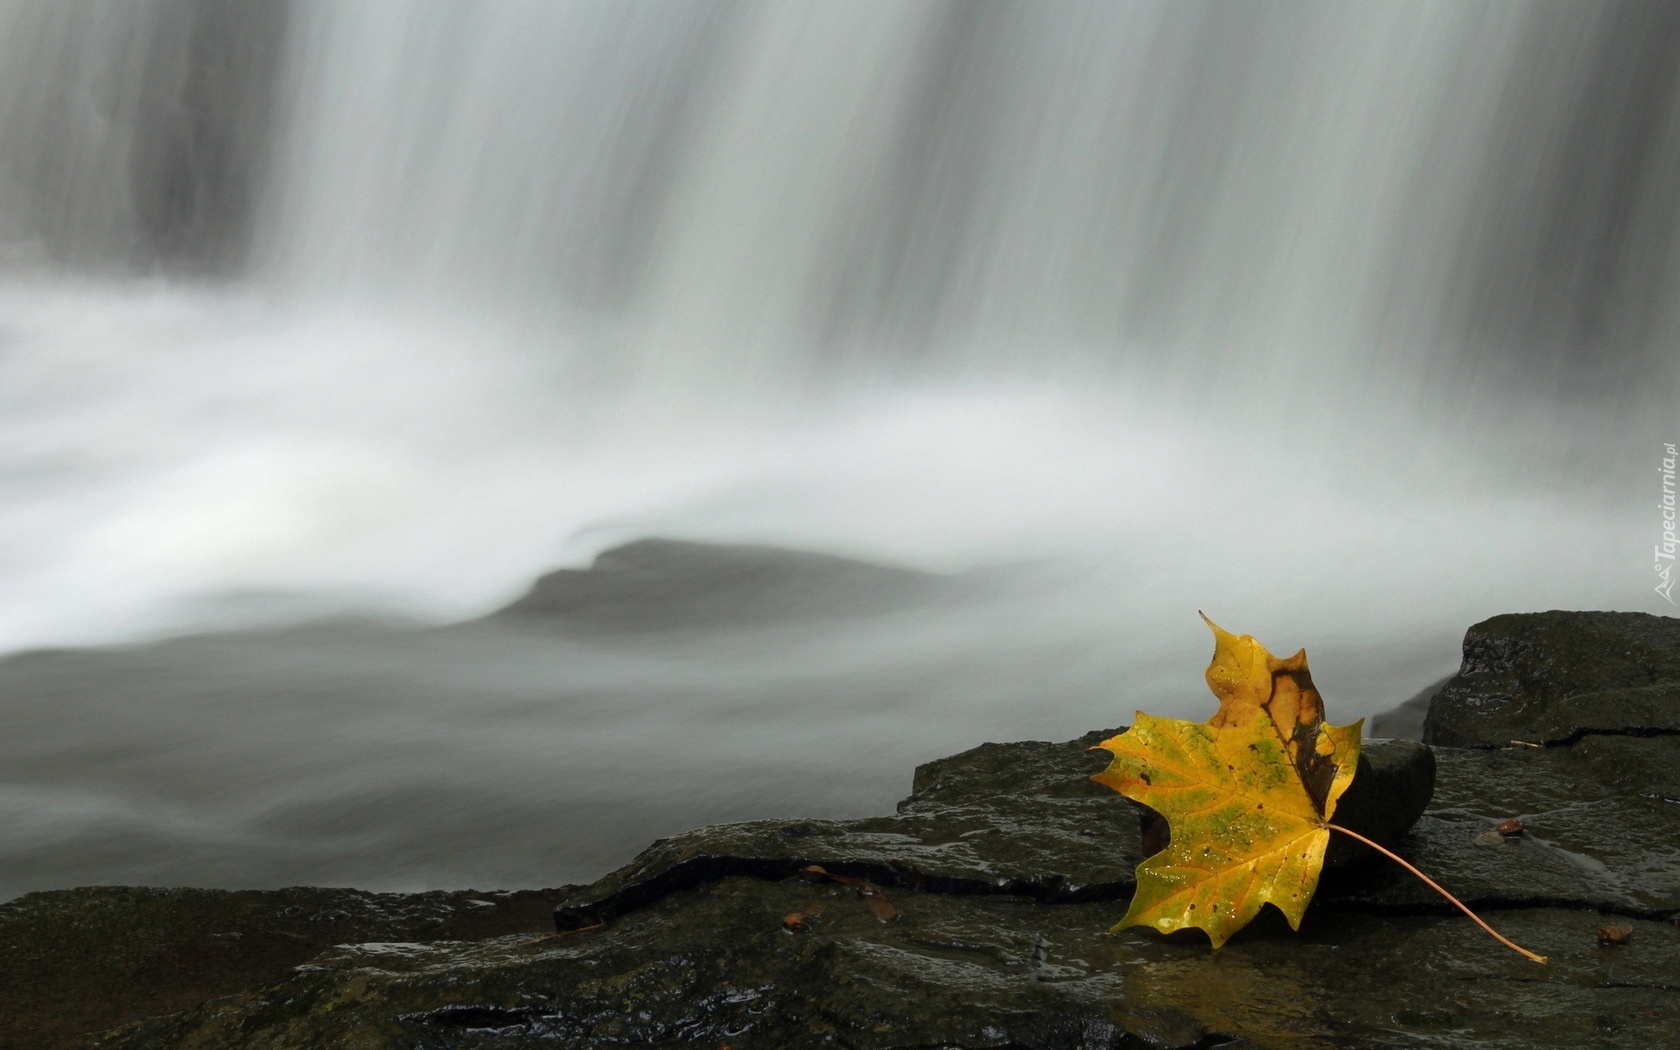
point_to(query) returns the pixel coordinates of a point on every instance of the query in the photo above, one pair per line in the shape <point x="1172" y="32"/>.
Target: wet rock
<point x="1575" y="718"/>
<point x="1587" y="844"/>
<point x="714" y="967"/>
<point x="1022" y="819"/>
<point x="77" y="961"/>
<point x="1395" y="781"/>
<point x="1633" y="765"/>
<point x="1002" y="869"/>
<point x="668" y="584"/>
<point x="1550" y="678"/>
<point x="977" y="916"/>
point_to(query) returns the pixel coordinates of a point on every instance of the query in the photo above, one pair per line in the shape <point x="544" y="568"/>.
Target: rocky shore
<point x="976" y="915"/>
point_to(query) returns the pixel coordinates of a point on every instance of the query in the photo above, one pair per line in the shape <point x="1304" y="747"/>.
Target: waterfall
<point x="938" y="281"/>
<point x="1001" y="185"/>
<point x="133" y="133"/>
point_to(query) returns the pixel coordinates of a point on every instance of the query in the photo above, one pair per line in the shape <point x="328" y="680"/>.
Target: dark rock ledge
<point x="976" y="915"/>
<point x="1017" y="820"/>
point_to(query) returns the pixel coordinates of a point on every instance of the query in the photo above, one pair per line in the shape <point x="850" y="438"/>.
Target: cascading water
<point x="1351" y="324"/>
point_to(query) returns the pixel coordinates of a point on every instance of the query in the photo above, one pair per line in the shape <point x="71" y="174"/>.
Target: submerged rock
<point x="655" y="584"/>
<point x="1405" y="720"/>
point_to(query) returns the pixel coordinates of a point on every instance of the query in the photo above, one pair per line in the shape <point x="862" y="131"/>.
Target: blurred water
<point x="1350" y="324"/>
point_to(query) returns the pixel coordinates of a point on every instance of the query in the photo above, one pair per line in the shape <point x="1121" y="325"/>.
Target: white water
<point x="177" y="457"/>
<point x="532" y="277"/>
<point x="1190" y="307"/>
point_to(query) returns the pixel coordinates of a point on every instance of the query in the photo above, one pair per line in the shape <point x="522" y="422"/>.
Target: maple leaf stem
<point x="1437" y="888"/>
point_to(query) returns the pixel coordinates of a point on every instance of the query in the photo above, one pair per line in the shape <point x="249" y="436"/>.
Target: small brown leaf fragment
<point x="1614" y="934"/>
<point x="813" y="873"/>
<point x="879" y="906"/>
<point x="799" y="921"/>
<point x="1505" y="831"/>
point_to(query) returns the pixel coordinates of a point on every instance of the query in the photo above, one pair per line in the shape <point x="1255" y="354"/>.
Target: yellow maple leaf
<point x="1246" y="833"/>
<point x="1248" y="794"/>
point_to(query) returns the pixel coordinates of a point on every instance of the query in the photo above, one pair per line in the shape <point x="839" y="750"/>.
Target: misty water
<point x="325" y="324"/>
